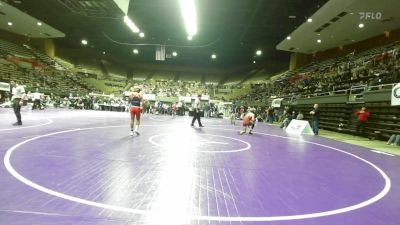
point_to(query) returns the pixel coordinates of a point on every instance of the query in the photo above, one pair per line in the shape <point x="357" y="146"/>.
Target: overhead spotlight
<point x="141" y="34"/>
<point x="361" y="25"/>
<point x="175" y="54"/>
<point x="39" y="23"/>
<point x="10" y="24"/>
<point x="131" y="25"/>
<point x="258" y="52"/>
<point x="104" y="52"/>
<point x="135" y="51"/>
<point x="309" y="20"/>
<point x="254" y="62"/>
<point x="84" y="42"/>
<point x="319" y="41"/>
<point x="188" y="10"/>
<point x="288" y="38"/>
<point x="213" y="56"/>
<point x="189" y="38"/>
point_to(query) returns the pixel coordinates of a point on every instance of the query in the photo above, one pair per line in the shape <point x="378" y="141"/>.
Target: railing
<point x="357" y="91"/>
<point x="381" y="86"/>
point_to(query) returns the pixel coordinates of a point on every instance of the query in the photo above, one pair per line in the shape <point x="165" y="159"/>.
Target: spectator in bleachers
<point x="362" y="118"/>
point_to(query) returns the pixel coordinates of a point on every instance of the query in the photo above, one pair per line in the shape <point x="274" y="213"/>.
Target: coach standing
<point x="315" y="119"/>
<point x="17" y="99"/>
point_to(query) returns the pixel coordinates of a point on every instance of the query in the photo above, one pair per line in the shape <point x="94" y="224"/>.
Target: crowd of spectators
<point x="170" y="88"/>
<point x="371" y="68"/>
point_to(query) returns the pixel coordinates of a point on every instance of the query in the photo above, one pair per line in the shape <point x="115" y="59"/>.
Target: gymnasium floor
<point x="82" y="167"/>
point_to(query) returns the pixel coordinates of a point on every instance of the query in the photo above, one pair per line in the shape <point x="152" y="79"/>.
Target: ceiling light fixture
<point x="175" y="54"/>
<point x="213" y="56"/>
<point x="39" y="23"/>
<point x="288" y="38"/>
<point x="141" y="34"/>
<point x="361" y="25"/>
<point x="131" y="24"/>
<point x="10" y="24"/>
<point x="319" y="41"/>
<point x="84" y="42"/>
<point x="258" y="52"/>
<point x="189" y="38"/>
<point x="188" y="10"/>
<point x="309" y="20"/>
<point x="135" y="51"/>
<point x="254" y="62"/>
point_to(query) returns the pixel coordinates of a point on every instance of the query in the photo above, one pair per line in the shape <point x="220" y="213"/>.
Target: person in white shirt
<point x="196" y="111"/>
<point x="18" y="97"/>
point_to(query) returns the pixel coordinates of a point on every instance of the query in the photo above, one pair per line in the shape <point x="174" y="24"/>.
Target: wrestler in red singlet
<point x="135" y="109"/>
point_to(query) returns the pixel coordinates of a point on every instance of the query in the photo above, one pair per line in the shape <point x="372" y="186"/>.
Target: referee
<point x="196" y="111"/>
<point x="17" y="99"/>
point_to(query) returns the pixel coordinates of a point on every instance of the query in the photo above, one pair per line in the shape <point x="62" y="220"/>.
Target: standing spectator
<point x="286" y="121"/>
<point x="183" y="108"/>
<point x="179" y="108"/>
<point x="233" y="117"/>
<point x="174" y="109"/>
<point x="300" y="116"/>
<point x="207" y="110"/>
<point x="17" y="99"/>
<point x="241" y="112"/>
<point x="315" y="119"/>
<point x="270" y="115"/>
<point x="362" y="117"/>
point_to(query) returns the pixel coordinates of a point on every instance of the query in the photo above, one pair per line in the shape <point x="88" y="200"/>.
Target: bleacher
<point x="384" y="118"/>
<point x="45" y="58"/>
<point x="14" y="49"/>
<point x="335" y="117"/>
